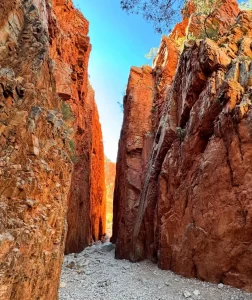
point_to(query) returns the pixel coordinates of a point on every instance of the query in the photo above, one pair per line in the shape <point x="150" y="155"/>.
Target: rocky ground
<point x="95" y="274"/>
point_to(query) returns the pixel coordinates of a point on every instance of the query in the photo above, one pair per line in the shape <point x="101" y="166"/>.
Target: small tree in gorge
<point x="247" y="5"/>
<point x="162" y="13"/>
<point x="151" y="54"/>
<point x="207" y="8"/>
<point x="159" y="12"/>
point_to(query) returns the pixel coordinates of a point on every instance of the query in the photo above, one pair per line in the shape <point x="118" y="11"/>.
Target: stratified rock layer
<point x="193" y="213"/>
<point x="48" y="122"/>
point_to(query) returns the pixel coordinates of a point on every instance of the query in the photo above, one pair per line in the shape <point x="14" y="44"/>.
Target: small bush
<point x="152" y="53"/>
<point x="72" y="149"/>
<point x="181" y="133"/>
<point x="67" y="112"/>
<point x="213" y="32"/>
<point x="72" y="146"/>
<point x="180" y="42"/>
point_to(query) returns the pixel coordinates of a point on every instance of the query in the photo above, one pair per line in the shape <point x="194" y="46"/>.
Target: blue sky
<point x="119" y="41"/>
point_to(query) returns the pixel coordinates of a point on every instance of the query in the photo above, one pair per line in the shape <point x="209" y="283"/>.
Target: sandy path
<point x="95" y="274"/>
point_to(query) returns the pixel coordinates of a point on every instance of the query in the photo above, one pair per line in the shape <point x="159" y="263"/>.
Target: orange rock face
<point x="70" y="49"/>
<point x="35" y="167"/>
<point x="50" y="142"/>
<point x="163" y="72"/>
<point x="193" y="211"/>
<point x="87" y="206"/>
<point x="110" y="173"/>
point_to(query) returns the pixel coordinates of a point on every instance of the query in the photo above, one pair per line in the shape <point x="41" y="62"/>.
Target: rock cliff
<point x="188" y="204"/>
<point x="134" y="151"/>
<point x="70" y="50"/>
<point x="49" y="134"/>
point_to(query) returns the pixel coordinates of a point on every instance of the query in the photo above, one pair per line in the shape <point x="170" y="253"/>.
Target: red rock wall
<point x="97" y="180"/>
<point x="70" y="49"/>
<point x="87" y="202"/>
<point x="194" y="212"/>
<point x="49" y="125"/>
<point x="134" y="147"/>
<point x="35" y="167"/>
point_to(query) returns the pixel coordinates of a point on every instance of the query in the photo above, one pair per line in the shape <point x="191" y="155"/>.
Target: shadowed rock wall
<point x="193" y="211"/>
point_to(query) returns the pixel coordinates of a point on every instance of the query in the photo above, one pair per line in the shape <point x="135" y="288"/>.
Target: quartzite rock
<point x="194" y="213"/>
<point x="86" y="207"/>
<point x="48" y="120"/>
<point x="35" y="167"/>
<point x="70" y="49"/>
<point x="134" y="150"/>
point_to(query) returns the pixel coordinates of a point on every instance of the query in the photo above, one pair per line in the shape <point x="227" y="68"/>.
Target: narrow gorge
<point x="182" y="200"/>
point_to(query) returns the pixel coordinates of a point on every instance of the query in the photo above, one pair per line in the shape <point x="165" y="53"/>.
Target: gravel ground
<point x="95" y="274"/>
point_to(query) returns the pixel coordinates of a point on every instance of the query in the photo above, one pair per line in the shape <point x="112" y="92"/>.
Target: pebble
<point x="220" y="285"/>
<point x="187" y="294"/>
<point x="104" y="278"/>
<point x="104" y="283"/>
<point x="88" y="273"/>
<point x="63" y="285"/>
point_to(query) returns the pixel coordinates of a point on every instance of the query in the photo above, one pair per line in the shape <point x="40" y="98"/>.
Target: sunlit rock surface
<point x="110" y="172"/>
<point x="49" y="127"/>
<point x="70" y="49"/>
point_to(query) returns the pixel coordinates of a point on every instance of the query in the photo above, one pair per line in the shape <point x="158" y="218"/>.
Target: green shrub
<point x="72" y="146"/>
<point x="67" y="112"/>
<point x="181" y="133"/>
<point x="72" y="150"/>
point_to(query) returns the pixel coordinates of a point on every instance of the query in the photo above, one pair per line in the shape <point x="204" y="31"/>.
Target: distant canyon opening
<point x="110" y="173"/>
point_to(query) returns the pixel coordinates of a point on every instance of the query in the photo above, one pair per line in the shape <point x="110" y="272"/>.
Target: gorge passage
<point x="182" y="196"/>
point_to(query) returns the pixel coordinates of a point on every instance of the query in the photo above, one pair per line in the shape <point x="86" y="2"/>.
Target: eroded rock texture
<point x="46" y="109"/>
<point x="35" y="166"/>
<point x="193" y="209"/>
<point x="135" y="147"/>
<point x="87" y="202"/>
<point x="70" y="49"/>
